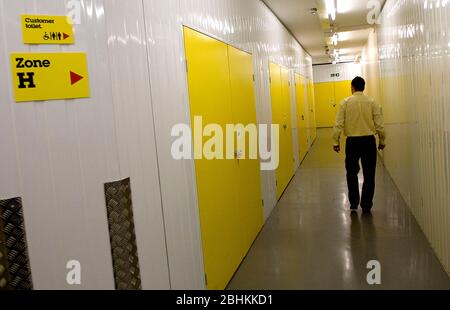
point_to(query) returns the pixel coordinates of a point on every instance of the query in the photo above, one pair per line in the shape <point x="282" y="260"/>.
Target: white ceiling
<point x="351" y="25"/>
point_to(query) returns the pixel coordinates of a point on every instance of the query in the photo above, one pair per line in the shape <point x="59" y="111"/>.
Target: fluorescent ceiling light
<point x="335" y="39"/>
<point x="345" y="36"/>
<point x="346" y="6"/>
<point x="349" y="51"/>
<point x="331" y="8"/>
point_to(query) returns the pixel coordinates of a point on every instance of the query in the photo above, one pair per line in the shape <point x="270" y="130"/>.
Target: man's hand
<point x="381" y="147"/>
<point x="337" y="148"/>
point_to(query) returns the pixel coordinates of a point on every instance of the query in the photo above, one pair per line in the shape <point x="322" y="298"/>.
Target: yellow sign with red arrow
<point x="49" y="76"/>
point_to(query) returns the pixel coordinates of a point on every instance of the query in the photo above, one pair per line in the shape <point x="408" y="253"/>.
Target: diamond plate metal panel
<point x="13" y="247"/>
<point x="4" y="276"/>
<point x="122" y="235"/>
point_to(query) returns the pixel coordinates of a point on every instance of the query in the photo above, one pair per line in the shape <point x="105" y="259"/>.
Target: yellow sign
<point x="48" y="76"/>
<point x="41" y="29"/>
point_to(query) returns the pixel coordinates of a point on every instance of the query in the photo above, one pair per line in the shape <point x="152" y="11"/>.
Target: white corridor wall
<point x="409" y="54"/>
<point x="58" y="154"/>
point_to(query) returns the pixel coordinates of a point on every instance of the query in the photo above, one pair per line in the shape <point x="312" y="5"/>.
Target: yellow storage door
<point x="281" y="114"/>
<point x="343" y="89"/>
<point x="325" y="104"/>
<point x="301" y="116"/>
<point x="250" y="208"/>
<point x="287" y="149"/>
<point x="210" y="97"/>
<point x="312" y="112"/>
<point x="277" y="116"/>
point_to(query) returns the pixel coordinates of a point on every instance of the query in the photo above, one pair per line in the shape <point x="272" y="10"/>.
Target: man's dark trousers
<point x="364" y="149"/>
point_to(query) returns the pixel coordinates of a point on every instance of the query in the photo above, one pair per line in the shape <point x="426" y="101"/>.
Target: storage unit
<point x="302" y="114"/>
<point x="221" y="91"/>
<point x="281" y="115"/>
<point x="329" y="96"/>
<point x="312" y="112"/>
<point x="326" y="104"/>
<point x="342" y="90"/>
<point x="256" y="32"/>
<point x="332" y="86"/>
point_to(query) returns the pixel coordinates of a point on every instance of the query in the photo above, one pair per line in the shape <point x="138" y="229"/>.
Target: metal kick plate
<point x="122" y="235"/>
<point x="14" y="260"/>
<point x="4" y="275"/>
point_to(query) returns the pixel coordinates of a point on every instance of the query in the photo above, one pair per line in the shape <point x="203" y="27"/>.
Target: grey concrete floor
<point x="312" y="241"/>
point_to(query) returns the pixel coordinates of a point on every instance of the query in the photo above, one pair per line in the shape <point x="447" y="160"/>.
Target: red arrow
<point x="65" y="36"/>
<point x="75" y="78"/>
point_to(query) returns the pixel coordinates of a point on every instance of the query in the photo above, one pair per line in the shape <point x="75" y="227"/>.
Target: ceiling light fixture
<point x="348" y="35"/>
<point x="335" y="57"/>
<point x="335" y="39"/>
<point x="331" y="9"/>
<point x="346" y="6"/>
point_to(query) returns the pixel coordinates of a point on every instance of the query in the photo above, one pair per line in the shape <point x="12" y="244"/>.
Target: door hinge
<point x="263" y="202"/>
<point x="187" y="69"/>
<point x="270" y="79"/>
<point x="206" y="279"/>
<point x="253" y="77"/>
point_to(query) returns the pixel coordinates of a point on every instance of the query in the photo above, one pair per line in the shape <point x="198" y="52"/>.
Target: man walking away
<point x="360" y="118"/>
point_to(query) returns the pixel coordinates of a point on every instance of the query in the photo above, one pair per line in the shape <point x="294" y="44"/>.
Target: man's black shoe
<point x="367" y="210"/>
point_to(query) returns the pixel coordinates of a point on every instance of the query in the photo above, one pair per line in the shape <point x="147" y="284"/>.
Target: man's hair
<point x="359" y="84"/>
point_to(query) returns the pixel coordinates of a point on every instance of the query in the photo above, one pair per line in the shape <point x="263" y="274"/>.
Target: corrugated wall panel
<point x="412" y="56"/>
<point x="128" y="63"/>
<point x="58" y="154"/>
